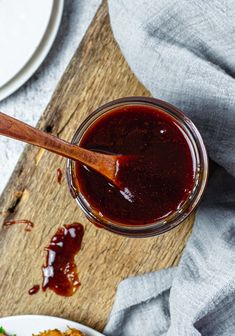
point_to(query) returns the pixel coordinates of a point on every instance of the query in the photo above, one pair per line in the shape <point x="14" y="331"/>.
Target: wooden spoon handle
<point x="18" y="130"/>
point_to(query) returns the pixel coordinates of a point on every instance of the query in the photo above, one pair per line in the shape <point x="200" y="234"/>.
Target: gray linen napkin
<point x="184" y="53"/>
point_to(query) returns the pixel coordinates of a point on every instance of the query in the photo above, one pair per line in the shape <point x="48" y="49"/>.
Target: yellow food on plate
<point x="69" y="332"/>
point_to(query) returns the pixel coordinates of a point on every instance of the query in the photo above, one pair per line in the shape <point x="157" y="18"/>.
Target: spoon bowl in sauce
<point x="161" y="172"/>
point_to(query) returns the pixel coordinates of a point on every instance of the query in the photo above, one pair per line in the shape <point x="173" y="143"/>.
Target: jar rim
<point x="168" y="223"/>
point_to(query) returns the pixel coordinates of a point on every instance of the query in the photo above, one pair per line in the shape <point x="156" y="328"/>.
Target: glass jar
<point x="199" y="156"/>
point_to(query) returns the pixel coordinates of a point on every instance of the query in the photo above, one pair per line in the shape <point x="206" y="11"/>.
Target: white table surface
<point x="28" y="103"/>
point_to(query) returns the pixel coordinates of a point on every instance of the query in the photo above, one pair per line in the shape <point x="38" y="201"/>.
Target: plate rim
<point x="34" y="48"/>
<point x="61" y="319"/>
<point x="39" y="55"/>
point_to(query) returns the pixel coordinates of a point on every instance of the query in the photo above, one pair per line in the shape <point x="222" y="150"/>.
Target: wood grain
<point x="97" y="73"/>
<point x="103" y="163"/>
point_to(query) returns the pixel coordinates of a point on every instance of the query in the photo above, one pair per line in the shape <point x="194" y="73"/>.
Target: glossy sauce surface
<point x="60" y="271"/>
<point x="59" y="175"/>
<point x="156" y="179"/>
<point x="34" y="290"/>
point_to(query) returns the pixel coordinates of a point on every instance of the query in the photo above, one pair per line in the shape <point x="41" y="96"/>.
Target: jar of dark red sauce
<point x="163" y="185"/>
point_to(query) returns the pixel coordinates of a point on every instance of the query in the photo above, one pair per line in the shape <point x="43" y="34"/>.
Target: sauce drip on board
<point x="34" y="290"/>
<point x="158" y="177"/>
<point x="59" y="175"/>
<point x="28" y="224"/>
<point x="60" y="270"/>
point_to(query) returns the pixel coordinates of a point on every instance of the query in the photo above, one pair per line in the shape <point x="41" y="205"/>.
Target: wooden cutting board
<point x="97" y="73"/>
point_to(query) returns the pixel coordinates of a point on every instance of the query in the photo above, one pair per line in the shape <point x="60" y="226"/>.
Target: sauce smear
<point x="60" y="270"/>
<point x="34" y="290"/>
<point x="59" y="175"/>
<point x="158" y="177"/>
<point x="28" y="224"/>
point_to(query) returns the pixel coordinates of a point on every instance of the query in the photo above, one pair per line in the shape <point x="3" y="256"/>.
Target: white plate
<point x="22" y="26"/>
<point x="27" y="31"/>
<point x="26" y="325"/>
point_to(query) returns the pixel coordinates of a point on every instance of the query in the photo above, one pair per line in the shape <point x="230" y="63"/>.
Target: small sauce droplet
<point x="28" y="224"/>
<point x="59" y="175"/>
<point x="60" y="270"/>
<point x="34" y="290"/>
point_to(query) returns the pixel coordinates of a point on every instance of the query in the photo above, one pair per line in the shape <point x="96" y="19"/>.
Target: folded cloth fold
<point x="184" y="53"/>
<point x="140" y="301"/>
<point x="197" y="297"/>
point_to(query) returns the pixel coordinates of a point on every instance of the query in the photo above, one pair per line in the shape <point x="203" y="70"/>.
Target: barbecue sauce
<point x="156" y="172"/>
<point x="34" y="290"/>
<point x="60" y="271"/>
<point x="59" y="175"/>
<point x="28" y="224"/>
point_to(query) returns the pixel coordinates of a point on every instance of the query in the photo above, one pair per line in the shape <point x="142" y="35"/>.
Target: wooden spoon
<point x="106" y="165"/>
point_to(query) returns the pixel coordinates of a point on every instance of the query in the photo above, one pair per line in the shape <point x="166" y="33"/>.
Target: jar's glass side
<point x="156" y="227"/>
